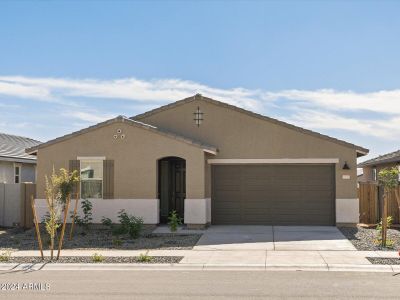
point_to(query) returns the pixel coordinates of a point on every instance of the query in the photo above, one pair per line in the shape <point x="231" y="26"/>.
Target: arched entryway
<point x="171" y="186"/>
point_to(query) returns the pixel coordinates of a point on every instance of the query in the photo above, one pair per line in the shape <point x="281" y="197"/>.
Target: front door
<point x="171" y="186"/>
<point x="178" y="186"/>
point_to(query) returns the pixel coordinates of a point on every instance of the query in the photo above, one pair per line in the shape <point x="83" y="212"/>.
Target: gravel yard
<point x="364" y="239"/>
<point x="16" y="239"/>
<point x="384" y="261"/>
<point x="107" y="260"/>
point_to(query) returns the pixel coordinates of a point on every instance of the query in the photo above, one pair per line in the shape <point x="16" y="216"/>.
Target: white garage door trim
<point x="274" y="161"/>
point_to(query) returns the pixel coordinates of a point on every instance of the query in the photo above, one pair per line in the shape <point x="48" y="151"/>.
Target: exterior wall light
<point x="346" y="166"/>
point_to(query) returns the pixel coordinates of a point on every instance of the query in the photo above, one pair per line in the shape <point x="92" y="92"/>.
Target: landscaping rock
<point x="98" y="239"/>
<point x="384" y="260"/>
<point x="88" y="259"/>
<point x="364" y="239"/>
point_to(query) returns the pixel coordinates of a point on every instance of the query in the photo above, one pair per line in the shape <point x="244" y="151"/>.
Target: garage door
<point x="273" y="194"/>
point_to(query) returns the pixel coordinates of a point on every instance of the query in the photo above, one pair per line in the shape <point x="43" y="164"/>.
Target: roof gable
<point x="205" y="147"/>
<point x="382" y="159"/>
<point x="361" y="151"/>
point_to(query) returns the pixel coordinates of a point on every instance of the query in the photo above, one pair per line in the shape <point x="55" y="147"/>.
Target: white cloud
<point x="314" y="109"/>
<point x="381" y="101"/>
<point x="24" y="91"/>
<point x="385" y="129"/>
<point x="89" y="117"/>
<point x="128" y="89"/>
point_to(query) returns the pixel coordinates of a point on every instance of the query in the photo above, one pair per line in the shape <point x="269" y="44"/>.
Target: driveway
<point x="278" y="238"/>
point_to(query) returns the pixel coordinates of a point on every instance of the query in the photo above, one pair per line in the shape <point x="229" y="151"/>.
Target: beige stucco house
<point x="371" y="167"/>
<point x="212" y="163"/>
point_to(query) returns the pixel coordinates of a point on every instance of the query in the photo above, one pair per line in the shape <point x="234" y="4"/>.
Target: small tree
<point x="52" y="222"/>
<point x="65" y="182"/>
<point x="389" y="179"/>
<point x="58" y="191"/>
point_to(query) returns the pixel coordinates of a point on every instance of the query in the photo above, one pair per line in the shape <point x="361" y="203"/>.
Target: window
<point x="17" y="174"/>
<point x="91" y="178"/>
<point x="374" y="175"/>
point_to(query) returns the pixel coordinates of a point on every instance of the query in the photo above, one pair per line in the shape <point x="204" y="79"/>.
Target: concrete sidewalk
<point x="256" y="259"/>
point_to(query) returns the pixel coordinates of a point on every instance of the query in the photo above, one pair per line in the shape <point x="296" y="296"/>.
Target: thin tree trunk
<point x="397" y="194"/>
<point x="60" y="242"/>
<point x="37" y="226"/>
<point x="384" y="219"/>
<point x="51" y="247"/>
<point x="74" y="216"/>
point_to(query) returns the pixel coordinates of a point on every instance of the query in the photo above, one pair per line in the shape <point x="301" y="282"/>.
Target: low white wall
<point x="148" y="209"/>
<point x="208" y="202"/>
<point x="347" y="211"/>
<point x="197" y="211"/>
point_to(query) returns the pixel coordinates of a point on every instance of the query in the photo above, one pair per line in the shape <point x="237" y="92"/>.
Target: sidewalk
<point x="226" y="260"/>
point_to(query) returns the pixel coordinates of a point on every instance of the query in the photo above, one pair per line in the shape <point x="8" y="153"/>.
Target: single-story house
<point x="372" y="166"/>
<point x="16" y="166"/>
<point x="212" y="163"/>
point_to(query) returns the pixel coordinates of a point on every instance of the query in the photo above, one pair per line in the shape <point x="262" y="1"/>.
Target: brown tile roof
<point x="129" y="121"/>
<point x="382" y="159"/>
<point x="361" y="151"/>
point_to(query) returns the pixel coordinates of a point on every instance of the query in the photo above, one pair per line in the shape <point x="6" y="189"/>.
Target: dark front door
<point x="178" y="186"/>
<point x="172" y="186"/>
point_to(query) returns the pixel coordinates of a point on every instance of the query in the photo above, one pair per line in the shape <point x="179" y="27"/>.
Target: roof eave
<point x="361" y="152"/>
<point x="18" y="159"/>
<point x="380" y="162"/>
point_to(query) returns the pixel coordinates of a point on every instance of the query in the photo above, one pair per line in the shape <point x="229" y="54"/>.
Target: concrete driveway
<point x="278" y="238"/>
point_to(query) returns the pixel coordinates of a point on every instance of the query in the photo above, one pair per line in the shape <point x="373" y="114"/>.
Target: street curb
<point x="194" y="267"/>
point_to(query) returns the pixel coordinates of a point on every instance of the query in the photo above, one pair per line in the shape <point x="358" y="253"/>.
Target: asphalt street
<point x="198" y="285"/>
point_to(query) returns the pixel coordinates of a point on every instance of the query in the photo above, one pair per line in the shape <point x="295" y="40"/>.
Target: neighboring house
<point x="16" y="165"/>
<point x="212" y="163"/>
<point x="372" y="166"/>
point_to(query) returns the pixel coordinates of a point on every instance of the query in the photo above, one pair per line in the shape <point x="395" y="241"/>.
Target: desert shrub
<point x="86" y="220"/>
<point x="144" y="257"/>
<point x="5" y="256"/>
<point x="106" y="222"/>
<point x="97" y="258"/>
<point x="174" y="221"/>
<point x="129" y="224"/>
<point x="117" y="242"/>
<point x="389" y="224"/>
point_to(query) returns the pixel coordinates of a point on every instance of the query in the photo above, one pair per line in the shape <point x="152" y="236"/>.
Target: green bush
<point x="5" y="256"/>
<point x="389" y="223"/>
<point x="106" y="222"/>
<point x="174" y="221"/>
<point x="97" y="258"/>
<point x="87" y="214"/>
<point x="117" y="242"/>
<point x="144" y="257"/>
<point x="129" y="225"/>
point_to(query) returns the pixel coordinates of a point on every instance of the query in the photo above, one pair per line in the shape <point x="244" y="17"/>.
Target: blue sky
<point x="330" y="66"/>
